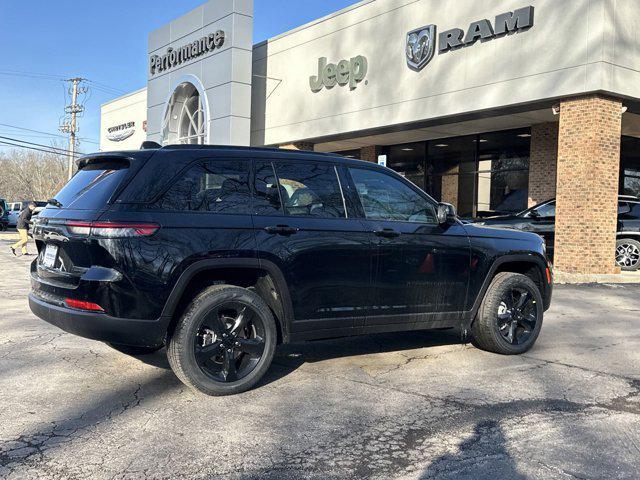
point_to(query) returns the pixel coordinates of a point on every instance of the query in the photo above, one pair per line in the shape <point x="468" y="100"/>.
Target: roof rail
<point x="183" y="146"/>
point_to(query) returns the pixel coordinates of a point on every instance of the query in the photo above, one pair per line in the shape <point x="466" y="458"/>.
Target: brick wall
<point x="369" y="154"/>
<point x="543" y="163"/>
<point x="587" y="185"/>
<point x="298" y="146"/>
<point x="450" y="187"/>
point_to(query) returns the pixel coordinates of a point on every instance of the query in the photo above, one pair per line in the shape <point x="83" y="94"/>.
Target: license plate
<point x="50" y="255"/>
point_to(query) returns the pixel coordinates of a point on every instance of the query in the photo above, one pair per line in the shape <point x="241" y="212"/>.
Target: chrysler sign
<point x="421" y="42"/>
<point x="121" y="132"/>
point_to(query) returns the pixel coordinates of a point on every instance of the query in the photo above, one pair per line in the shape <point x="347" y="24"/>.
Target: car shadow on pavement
<point x="290" y="357"/>
<point x="482" y="456"/>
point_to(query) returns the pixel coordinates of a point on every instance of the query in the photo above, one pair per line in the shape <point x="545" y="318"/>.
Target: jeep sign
<point x="345" y="72"/>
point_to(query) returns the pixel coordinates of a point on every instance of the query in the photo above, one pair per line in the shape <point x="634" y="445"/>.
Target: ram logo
<point x="421" y="46"/>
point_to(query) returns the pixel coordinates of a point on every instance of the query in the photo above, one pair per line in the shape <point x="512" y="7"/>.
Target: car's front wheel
<point x="224" y="342"/>
<point x="628" y="254"/>
<point x="510" y="317"/>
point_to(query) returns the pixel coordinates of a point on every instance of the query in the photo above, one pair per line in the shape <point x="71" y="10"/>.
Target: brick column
<point x="543" y="163"/>
<point x="298" y="146"/>
<point x="369" y="154"/>
<point x="587" y="186"/>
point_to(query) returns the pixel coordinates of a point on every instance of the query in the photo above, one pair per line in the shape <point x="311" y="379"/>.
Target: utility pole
<point x="71" y="126"/>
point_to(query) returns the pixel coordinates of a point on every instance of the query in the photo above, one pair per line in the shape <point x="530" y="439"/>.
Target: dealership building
<point x="491" y="105"/>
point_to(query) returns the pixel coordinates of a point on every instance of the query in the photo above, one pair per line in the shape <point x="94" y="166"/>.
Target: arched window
<point x="184" y="119"/>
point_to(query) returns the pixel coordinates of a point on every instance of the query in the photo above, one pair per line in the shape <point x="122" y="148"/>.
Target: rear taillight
<point x="82" y="305"/>
<point x="111" y="229"/>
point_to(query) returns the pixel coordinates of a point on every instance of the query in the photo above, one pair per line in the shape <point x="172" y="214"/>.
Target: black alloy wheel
<point x="510" y="316"/>
<point x="517" y="316"/>
<point x="230" y="342"/>
<point x="224" y="342"/>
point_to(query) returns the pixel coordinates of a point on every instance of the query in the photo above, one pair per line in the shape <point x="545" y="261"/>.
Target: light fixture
<point x="407" y="149"/>
<point x="442" y="145"/>
<point x="624" y="109"/>
<point x="556" y="109"/>
<point x="525" y="135"/>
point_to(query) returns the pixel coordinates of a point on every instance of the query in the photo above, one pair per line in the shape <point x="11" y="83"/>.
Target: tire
<point x="213" y="351"/>
<point x="134" y="351"/>
<point x="628" y="254"/>
<point x="488" y="330"/>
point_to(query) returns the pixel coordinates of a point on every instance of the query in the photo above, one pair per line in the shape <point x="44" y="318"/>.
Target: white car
<point x="14" y="212"/>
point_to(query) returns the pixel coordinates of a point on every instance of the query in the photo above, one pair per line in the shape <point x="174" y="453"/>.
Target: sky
<point x="45" y="41"/>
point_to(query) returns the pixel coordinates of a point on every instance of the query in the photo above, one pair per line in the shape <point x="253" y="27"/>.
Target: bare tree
<point x="31" y="175"/>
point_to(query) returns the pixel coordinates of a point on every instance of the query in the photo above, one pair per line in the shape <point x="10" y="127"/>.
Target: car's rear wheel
<point x="224" y="342"/>
<point x="628" y="254"/>
<point x="510" y="317"/>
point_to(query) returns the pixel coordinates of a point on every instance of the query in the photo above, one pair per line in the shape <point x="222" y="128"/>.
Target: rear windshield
<point x="92" y="187"/>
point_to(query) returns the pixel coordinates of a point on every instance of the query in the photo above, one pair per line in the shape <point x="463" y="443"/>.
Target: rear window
<point x="93" y="186"/>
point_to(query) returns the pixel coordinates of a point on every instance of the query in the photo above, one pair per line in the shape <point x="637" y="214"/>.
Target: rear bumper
<point x="99" y="326"/>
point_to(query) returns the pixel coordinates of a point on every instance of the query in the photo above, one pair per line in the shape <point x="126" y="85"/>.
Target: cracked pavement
<point x="415" y="405"/>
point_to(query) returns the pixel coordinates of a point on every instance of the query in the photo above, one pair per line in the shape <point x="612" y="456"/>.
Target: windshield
<point x="92" y="187"/>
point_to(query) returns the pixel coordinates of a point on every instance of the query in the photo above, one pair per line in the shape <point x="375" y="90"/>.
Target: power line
<point x="61" y="150"/>
<point x="29" y="148"/>
<point x="44" y="76"/>
<point x="46" y="133"/>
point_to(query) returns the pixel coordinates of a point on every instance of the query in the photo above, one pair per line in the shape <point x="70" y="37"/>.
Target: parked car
<point x="14" y="213"/>
<point x="4" y="215"/>
<point x="16" y="207"/>
<point x="541" y="219"/>
<point x="220" y="253"/>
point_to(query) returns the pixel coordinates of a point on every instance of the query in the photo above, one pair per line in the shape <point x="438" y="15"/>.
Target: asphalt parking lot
<point x="408" y="406"/>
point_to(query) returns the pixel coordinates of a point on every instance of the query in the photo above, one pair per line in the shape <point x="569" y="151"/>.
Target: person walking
<point x="23" y="228"/>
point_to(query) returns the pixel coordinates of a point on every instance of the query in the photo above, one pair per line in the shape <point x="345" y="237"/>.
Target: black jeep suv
<point x="541" y="219"/>
<point x="220" y="253"/>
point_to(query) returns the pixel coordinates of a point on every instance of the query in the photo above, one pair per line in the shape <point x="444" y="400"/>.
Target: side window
<point x="310" y="190"/>
<point x="211" y="186"/>
<point x="635" y="210"/>
<point x="546" y="211"/>
<point x="386" y="198"/>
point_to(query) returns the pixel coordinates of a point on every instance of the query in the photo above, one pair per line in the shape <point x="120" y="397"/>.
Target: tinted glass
<point x="92" y="187"/>
<point x="635" y="210"/>
<point x="211" y="186"/>
<point x="310" y="190"/>
<point x="267" y="197"/>
<point x="545" y="211"/>
<point x="386" y="198"/>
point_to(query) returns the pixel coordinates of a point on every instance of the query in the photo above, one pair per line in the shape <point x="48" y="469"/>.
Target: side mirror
<point x="446" y="213"/>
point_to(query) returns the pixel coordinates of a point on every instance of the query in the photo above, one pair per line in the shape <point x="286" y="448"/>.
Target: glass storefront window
<point x="408" y="161"/>
<point x="480" y="175"/>
<point x="630" y="166"/>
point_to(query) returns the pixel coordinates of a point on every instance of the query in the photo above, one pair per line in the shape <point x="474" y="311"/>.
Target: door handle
<point x="281" y="230"/>
<point x="387" y="232"/>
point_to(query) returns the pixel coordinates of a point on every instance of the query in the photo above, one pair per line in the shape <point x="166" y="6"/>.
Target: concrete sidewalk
<point x="411" y="406"/>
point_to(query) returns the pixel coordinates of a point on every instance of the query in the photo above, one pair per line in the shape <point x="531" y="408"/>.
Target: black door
<point x="422" y="269"/>
<point x="303" y="225"/>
